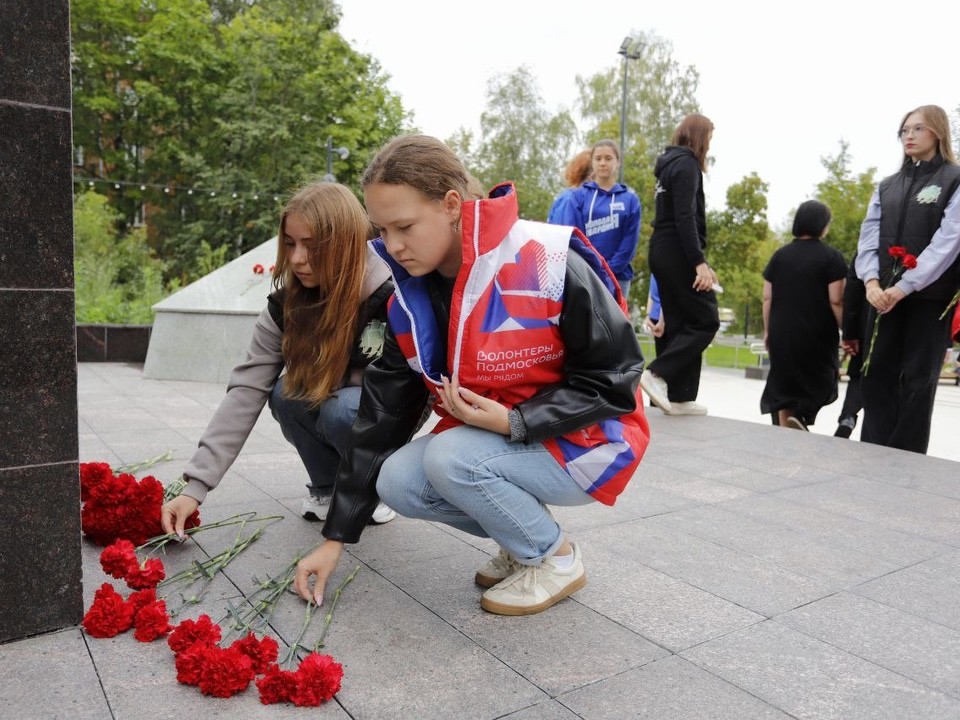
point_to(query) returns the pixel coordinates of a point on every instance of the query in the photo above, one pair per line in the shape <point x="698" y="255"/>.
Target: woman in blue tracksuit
<point x="608" y="213"/>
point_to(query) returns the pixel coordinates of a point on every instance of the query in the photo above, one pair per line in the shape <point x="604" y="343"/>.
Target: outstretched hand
<point x="174" y="514"/>
<point x="321" y="564"/>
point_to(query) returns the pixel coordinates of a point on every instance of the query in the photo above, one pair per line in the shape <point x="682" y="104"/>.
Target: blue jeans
<point x="478" y="482"/>
<point x="319" y="434"/>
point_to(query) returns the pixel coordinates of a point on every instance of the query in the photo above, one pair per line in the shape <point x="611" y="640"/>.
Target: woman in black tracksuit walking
<point x="684" y="279"/>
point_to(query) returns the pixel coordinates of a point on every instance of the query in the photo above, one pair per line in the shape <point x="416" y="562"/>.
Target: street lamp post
<point x="630" y="49"/>
<point x="343" y="152"/>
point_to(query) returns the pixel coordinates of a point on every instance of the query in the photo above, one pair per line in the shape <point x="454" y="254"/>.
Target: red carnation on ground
<point x="91" y="475"/>
<point x="148" y="576"/>
<point x="109" y="614"/>
<point x="262" y="652"/>
<point x="151" y="622"/>
<point x="121" y="507"/>
<point x="140" y="599"/>
<point x="225" y="672"/>
<point x="276" y="685"/>
<point x="258" y="269"/>
<point x="318" y="679"/>
<point x="189" y="632"/>
<point x="189" y="663"/>
<point x="119" y="559"/>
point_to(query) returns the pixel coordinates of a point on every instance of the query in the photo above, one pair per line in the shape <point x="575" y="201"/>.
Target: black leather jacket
<point x="603" y="365"/>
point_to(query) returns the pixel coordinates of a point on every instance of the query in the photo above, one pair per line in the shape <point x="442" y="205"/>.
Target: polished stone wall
<point x="40" y="570"/>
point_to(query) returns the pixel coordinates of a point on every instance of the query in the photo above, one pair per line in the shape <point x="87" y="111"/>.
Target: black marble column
<point x="40" y="567"/>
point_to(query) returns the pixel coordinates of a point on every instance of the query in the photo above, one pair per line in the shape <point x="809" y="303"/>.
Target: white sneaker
<point x="382" y="514"/>
<point x="534" y="588"/>
<point x="315" y="508"/>
<point x="687" y="408"/>
<point x="499" y="567"/>
<point x="656" y="387"/>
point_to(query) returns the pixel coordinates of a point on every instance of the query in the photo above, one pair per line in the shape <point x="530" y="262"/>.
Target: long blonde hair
<point x="320" y="324"/>
<point x="935" y="118"/>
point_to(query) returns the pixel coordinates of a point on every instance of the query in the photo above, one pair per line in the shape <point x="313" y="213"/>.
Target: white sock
<point x="562" y="562"/>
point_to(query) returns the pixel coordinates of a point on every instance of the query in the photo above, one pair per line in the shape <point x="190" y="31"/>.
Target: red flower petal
<point x="909" y="261"/>
<point x="189" y="663"/>
<point x="318" y="679"/>
<point x="897" y="251"/>
<point x="190" y="632"/>
<point x="276" y="685"/>
<point x="261" y="652"/>
<point x="148" y="576"/>
<point x="108" y="615"/>
<point x="119" y="559"/>
<point x="151" y="622"/>
<point x="225" y="672"/>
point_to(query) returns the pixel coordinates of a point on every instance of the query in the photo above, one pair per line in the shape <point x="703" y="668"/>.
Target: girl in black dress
<point x="802" y="305"/>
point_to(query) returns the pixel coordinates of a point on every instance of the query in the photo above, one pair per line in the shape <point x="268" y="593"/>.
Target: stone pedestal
<point x="201" y="332"/>
<point x="40" y="570"/>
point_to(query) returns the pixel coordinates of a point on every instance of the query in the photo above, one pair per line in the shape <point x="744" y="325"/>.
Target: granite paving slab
<point x="808" y="678"/>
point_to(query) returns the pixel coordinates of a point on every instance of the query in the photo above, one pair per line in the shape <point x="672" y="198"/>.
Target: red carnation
<point x="140" y="599"/>
<point x="189" y="632"/>
<point x="896" y="251"/>
<point x="148" y="576"/>
<point x="909" y="261"/>
<point x="109" y="615"/>
<point x="318" y="679"/>
<point x="261" y="652"/>
<point x="225" y="672"/>
<point x="258" y="269"/>
<point x="276" y="685"/>
<point x="91" y="475"/>
<point x="151" y="622"/>
<point x="119" y="559"/>
<point x="189" y="663"/>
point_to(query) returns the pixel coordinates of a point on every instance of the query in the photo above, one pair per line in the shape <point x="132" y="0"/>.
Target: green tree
<point x="118" y="280"/>
<point x="235" y="98"/>
<point x="739" y="243"/>
<point x="847" y="195"/>
<point x="520" y="141"/>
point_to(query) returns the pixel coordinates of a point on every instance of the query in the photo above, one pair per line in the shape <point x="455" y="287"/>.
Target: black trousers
<point x="900" y="382"/>
<point x="691" y="320"/>
<point x="853" y="399"/>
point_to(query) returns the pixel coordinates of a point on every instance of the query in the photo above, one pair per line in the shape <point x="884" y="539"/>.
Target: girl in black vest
<point x="917" y="209"/>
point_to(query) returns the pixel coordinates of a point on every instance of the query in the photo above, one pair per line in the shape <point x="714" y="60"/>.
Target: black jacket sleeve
<point x="685" y="187"/>
<point x="854" y="299"/>
<point x="603" y="361"/>
<point x="392" y="403"/>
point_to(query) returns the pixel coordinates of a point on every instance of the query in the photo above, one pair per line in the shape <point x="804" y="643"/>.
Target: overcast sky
<point x="784" y="83"/>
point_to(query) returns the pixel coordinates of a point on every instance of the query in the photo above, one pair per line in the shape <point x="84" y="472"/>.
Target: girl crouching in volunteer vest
<point x="520" y="333"/>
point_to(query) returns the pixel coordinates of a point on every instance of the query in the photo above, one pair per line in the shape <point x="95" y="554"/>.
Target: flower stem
<point x="136" y="467"/>
<point x="333" y="606"/>
<point x="953" y="301"/>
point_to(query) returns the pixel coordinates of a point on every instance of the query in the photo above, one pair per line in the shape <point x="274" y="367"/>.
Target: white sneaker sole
<point x="492" y="606"/>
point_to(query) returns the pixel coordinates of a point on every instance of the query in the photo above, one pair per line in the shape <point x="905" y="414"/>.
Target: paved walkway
<point x="748" y="572"/>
